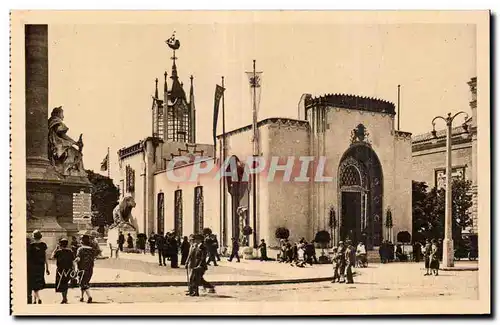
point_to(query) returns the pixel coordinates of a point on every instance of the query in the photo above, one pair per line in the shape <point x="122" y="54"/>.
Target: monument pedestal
<point x="50" y="205"/>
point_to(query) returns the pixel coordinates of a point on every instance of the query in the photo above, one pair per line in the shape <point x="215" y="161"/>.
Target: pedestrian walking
<point x="121" y="241"/>
<point x="84" y="263"/>
<point x="37" y="266"/>
<point x="350" y="260"/>
<point x="173" y="252"/>
<point x="434" y="257"/>
<point x="216" y="243"/>
<point x="211" y="247"/>
<point x="196" y="265"/>
<point x="130" y="241"/>
<point x="342" y="261"/>
<point x="64" y="260"/>
<point x="336" y="265"/>
<point x="185" y="245"/>
<point x="160" y="244"/>
<point x="263" y="250"/>
<point x="234" y="250"/>
<point x="152" y="243"/>
<point x="427" y="257"/>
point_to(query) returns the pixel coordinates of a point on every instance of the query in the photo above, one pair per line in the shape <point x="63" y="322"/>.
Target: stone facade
<point x="302" y="207"/>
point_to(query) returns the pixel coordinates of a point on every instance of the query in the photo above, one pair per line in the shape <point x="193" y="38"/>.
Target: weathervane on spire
<point x="173" y="43"/>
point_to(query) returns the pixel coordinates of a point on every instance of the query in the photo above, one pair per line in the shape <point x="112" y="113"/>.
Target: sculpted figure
<point x="67" y="159"/>
<point x="122" y="213"/>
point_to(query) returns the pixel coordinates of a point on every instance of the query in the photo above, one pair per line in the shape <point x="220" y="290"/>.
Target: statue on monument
<point x="63" y="155"/>
<point x="122" y="218"/>
<point x="122" y="213"/>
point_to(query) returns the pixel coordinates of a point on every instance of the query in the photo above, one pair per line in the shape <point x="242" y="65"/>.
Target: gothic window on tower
<point x="130" y="179"/>
<point x="198" y="210"/>
<point x="181" y="136"/>
<point x="178" y="213"/>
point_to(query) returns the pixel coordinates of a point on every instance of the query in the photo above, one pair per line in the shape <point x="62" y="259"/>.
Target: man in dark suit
<point x="195" y="262"/>
<point x="173" y="251"/>
<point x="121" y="241"/>
<point x="234" y="250"/>
<point x="160" y="245"/>
<point x="197" y="266"/>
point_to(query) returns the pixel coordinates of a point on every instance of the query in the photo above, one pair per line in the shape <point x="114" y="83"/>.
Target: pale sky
<point x="103" y="75"/>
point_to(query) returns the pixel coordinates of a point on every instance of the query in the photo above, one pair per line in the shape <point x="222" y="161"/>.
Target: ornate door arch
<point x="360" y="194"/>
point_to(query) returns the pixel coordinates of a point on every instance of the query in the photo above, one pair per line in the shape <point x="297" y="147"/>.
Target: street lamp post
<point x="448" y="252"/>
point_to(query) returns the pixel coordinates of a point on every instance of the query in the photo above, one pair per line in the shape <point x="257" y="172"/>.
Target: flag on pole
<point x="255" y="82"/>
<point x="104" y="163"/>
<point x="219" y="92"/>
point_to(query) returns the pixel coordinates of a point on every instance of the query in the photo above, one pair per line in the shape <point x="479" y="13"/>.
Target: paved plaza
<point x="378" y="281"/>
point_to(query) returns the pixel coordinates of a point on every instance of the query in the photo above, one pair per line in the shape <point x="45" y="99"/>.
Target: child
<point x="64" y="257"/>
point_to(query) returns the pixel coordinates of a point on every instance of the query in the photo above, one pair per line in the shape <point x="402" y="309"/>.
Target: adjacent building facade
<point x="429" y="154"/>
<point x="366" y="171"/>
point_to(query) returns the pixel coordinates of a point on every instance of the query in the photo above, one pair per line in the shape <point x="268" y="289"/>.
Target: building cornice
<point x="353" y="102"/>
<point x="439" y="143"/>
<point x="137" y="147"/>
<point x="272" y="120"/>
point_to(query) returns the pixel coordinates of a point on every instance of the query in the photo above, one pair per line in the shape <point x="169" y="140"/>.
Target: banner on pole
<point x="219" y="92"/>
<point x="104" y="163"/>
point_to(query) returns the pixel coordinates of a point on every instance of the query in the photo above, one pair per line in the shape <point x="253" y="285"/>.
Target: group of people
<point x="75" y="264"/>
<point x="297" y="254"/>
<point x="344" y="259"/>
<point x="432" y="256"/>
<point x="197" y="264"/>
<point x="140" y="242"/>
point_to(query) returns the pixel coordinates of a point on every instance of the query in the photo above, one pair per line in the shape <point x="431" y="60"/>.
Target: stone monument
<point x="122" y="221"/>
<point x="51" y="177"/>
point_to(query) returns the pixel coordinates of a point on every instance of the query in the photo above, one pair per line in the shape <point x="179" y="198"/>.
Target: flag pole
<point x="255" y="154"/>
<point x="224" y="207"/>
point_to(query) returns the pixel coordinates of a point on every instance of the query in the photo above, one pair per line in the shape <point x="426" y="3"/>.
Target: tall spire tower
<point x="178" y="112"/>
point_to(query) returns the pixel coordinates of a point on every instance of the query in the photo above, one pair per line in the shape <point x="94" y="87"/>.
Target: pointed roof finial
<point x="165" y="88"/>
<point x="191" y="90"/>
<point x="156" y="88"/>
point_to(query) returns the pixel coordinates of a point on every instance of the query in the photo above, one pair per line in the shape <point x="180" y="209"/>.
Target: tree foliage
<point x="282" y="233"/>
<point x="247" y="231"/>
<point x="105" y="197"/>
<point x="428" y="210"/>
<point x="322" y="237"/>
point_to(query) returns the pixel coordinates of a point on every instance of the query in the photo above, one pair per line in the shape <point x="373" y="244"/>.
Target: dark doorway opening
<point x="351" y="217"/>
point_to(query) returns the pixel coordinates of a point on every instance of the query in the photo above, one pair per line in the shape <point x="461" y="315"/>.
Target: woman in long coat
<point x="37" y="265"/>
<point x="64" y="257"/>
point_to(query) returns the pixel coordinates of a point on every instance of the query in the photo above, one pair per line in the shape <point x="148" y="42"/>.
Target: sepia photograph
<point x="250" y="162"/>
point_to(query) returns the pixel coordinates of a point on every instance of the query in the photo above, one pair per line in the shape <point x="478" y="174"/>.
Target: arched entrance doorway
<point x="360" y="189"/>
